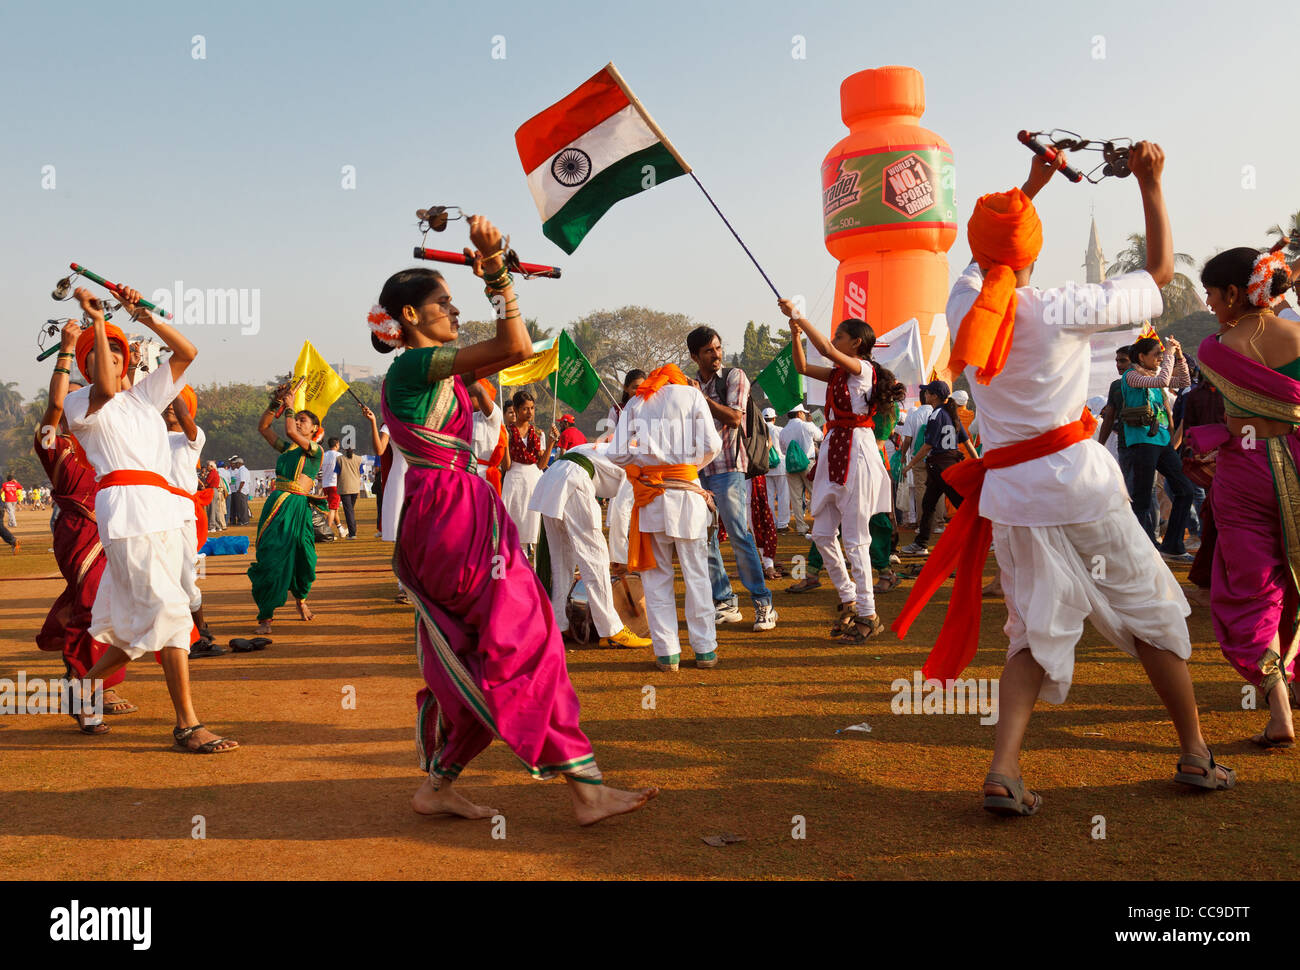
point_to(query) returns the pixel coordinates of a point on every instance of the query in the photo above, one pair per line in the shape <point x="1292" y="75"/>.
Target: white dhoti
<point x="190" y="565"/>
<point x="516" y="491"/>
<point x="620" y="522"/>
<point x="141" y="607"/>
<point x="661" y="604"/>
<point x="576" y="542"/>
<point x="1106" y="571"/>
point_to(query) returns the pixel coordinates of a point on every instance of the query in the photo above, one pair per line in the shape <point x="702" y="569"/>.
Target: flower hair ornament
<point x="384" y="327"/>
<point x="1259" y="289"/>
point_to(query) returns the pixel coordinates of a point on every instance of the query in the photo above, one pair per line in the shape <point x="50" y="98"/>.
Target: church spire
<point x="1093" y="258"/>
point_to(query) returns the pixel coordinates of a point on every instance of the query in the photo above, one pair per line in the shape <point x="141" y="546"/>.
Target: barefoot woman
<point x="286" y="543"/>
<point x="489" y="650"/>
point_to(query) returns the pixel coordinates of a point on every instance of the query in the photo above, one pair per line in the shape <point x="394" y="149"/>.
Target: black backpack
<point x="754" y="438"/>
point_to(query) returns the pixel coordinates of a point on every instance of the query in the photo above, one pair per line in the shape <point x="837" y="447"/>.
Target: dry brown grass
<point x="321" y="792"/>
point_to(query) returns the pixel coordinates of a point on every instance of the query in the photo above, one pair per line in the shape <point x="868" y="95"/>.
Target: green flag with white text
<point x="576" y="380"/>
<point x="782" y="384"/>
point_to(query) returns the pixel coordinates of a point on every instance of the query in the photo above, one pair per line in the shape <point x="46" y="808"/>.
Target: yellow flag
<point x="543" y="362"/>
<point x="322" y="386"/>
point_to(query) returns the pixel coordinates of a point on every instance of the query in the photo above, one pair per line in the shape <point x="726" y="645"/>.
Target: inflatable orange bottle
<point x="890" y="210"/>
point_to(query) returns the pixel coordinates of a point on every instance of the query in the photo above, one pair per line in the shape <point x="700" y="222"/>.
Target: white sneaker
<point x="765" y="617"/>
<point x="913" y="549"/>
<point x="727" y="613"/>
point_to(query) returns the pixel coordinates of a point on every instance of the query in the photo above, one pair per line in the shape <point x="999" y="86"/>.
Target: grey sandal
<point x="1210" y="779"/>
<point x="1014" y="804"/>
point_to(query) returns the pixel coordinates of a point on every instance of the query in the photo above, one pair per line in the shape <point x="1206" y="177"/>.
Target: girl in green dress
<point x="286" y="542"/>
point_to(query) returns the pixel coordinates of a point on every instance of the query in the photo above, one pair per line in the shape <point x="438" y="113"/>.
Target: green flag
<point x="576" y="380"/>
<point x="782" y="384"/>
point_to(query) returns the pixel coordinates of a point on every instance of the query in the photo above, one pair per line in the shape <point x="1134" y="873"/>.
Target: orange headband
<point x="191" y="400"/>
<point x="86" y="343"/>
<point x="1004" y="232"/>
<point x="667" y="374"/>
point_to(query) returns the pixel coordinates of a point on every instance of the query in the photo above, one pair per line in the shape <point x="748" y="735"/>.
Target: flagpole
<point x="659" y="132"/>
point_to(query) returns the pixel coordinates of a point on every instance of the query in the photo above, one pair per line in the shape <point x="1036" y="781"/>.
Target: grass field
<point x="318" y="791"/>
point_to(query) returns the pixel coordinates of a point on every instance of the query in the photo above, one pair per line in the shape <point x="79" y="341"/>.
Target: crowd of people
<point x="497" y="522"/>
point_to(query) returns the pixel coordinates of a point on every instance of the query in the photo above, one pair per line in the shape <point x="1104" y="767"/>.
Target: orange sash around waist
<point x="965" y="544"/>
<point x="135" y="476"/>
<point x="648" y="481"/>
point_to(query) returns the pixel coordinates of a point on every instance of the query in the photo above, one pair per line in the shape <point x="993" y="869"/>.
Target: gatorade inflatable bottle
<point x="889" y="204"/>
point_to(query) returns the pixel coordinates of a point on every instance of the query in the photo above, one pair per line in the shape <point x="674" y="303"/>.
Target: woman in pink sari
<point x="1254" y="361"/>
<point x="489" y="651"/>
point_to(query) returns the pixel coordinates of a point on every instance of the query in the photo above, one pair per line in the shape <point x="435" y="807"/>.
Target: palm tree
<point x="1292" y="232"/>
<point x="11" y="400"/>
<point x="1180" y="295"/>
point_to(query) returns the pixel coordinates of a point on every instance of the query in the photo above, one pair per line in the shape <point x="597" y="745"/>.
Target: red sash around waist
<point x="964" y="546"/>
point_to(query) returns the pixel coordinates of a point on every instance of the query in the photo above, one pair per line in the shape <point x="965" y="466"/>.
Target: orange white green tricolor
<point x="588" y="151"/>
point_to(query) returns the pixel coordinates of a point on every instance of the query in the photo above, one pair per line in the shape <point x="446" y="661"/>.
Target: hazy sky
<point x="227" y="171"/>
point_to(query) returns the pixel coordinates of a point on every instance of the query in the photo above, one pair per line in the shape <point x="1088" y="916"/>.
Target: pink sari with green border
<point x="490" y="654"/>
<point x="1256" y="496"/>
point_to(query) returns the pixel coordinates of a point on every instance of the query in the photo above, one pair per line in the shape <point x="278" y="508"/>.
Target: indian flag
<point x="588" y="151"/>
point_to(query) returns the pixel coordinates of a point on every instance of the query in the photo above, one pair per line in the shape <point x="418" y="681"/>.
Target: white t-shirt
<point x="1043" y="386"/>
<point x="774" y="437"/>
<point x="242" y="474"/>
<point x="806" y="433"/>
<point x="487" y="432"/>
<point x="184" y="473"/>
<point x="914" y="426"/>
<point x="128" y="433"/>
<point x="329" y="469"/>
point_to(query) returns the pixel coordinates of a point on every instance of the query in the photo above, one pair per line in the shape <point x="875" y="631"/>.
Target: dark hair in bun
<point x="410" y="287"/>
<point x="1232" y="267"/>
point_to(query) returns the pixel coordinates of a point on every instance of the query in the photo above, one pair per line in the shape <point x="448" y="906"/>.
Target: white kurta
<point x="184" y="474"/>
<point x="517" y="486"/>
<point x="673" y="427"/>
<point x="1068" y="545"/>
<point x="565" y="498"/>
<point x="486" y="434"/>
<point x="140" y="606"/>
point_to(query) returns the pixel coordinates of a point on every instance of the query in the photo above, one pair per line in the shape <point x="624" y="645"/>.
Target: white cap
<point x="961" y="397"/>
<point x="1095" y="404"/>
<point x="798" y="409"/>
<point x="769" y="413"/>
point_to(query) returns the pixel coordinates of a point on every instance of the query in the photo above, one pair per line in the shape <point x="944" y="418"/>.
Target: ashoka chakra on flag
<point x="588" y="151"/>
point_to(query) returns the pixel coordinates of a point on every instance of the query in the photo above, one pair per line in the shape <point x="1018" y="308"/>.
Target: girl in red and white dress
<point x="851" y="483"/>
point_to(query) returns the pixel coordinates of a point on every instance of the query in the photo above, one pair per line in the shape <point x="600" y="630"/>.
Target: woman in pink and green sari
<point x="1254" y="361"/>
<point x="489" y="651"/>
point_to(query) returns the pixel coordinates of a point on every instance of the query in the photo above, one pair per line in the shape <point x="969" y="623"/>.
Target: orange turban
<point x="488" y="389"/>
<point x="667" y="374"/>
<point x="1004" y="231"/>
<point x="86" y="343"/>
<point x="191" y="399"/>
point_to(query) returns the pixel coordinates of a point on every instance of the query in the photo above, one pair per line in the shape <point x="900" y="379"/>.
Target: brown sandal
<point x="873" y="625"/>
<point x="889" y="580"/>
<point x="844" y="614"/>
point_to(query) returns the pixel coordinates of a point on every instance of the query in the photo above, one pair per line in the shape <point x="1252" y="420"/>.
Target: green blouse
<point x="293" y="461"/>
<point x="413" y="383"/>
